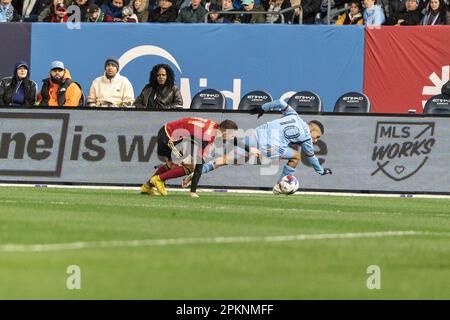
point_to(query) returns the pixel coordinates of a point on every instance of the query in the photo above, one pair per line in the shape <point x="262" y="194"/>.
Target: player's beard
<point x="57" y="80"/>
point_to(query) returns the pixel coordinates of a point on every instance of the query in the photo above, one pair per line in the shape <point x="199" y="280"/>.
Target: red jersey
<point x="197" y="128"/>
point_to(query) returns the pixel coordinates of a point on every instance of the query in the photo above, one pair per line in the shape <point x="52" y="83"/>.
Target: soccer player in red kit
<point x="200" y="134"/>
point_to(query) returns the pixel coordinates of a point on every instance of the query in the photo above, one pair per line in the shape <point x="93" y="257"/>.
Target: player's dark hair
<point x="319" y="124"/>
<point x="227" y="125"/>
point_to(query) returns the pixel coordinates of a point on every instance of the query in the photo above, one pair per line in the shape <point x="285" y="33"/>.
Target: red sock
<point x="173" y="173"/>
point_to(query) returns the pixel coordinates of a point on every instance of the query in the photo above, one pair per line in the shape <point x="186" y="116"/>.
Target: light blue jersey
<point x="273" y="138"/>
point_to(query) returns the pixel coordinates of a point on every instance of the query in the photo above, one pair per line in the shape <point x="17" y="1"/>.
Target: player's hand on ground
<point x="327" y="171"/>
<point x="194" y="195"/>
<point x="257" y="110"/>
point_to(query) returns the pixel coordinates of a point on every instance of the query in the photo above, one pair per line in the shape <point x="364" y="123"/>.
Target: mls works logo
<point x="402" y="148"/>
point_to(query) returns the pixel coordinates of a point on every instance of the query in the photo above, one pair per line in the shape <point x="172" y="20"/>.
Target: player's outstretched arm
<point x="309" y="150"/>
<point x="278" y="105"/>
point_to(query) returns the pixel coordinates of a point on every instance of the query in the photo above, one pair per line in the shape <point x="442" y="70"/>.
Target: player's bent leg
<point x="159" y="184"/>
<point x="164" y="168"/>
<point x="293" y="158"/>
<point x="207" y="167"/>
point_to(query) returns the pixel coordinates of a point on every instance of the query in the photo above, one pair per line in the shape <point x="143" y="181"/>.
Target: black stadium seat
<point x="439" y="104"/>
<point x="306" y="101"/>
<point x="353" y="102"/>
<point x="211" y="99"/>
<point x="254" y="99"/>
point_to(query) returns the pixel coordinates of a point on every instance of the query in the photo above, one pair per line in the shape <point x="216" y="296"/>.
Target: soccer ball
<point x="287" y="185"/>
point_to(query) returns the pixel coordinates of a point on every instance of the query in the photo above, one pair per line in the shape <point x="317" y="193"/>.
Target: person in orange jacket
<point x="59" y="89"/>
<point x="353" y="15"/>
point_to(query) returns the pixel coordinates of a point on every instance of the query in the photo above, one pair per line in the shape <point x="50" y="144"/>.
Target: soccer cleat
<point x="159" y="184"/>
<point x="186" y="183"/>
<point x="277" y="189"/>
<point x="146" y="189"/>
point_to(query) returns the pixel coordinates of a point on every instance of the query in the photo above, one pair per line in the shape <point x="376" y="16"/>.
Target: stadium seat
<point x="353" y="102"/>
<point x="208" y="99"/>
<point x="254" y="99"/>
<point x="305" y="101"/>
<point x="439" y="104"/>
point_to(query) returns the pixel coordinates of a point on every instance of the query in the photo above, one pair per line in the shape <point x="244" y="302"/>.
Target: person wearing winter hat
<point x="95" y="14"/>
<point x="18" y="89"/>
<point x="128" y="15"/>
<point x="111" y="89"/>
<point x="59" y="90"/>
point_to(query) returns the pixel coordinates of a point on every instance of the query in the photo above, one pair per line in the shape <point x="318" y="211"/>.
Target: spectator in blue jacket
<point x="373" y="14"/>
<point x="113" y="8"/>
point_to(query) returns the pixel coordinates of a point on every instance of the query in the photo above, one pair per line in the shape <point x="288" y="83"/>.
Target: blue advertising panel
<point x="235" y="59"/>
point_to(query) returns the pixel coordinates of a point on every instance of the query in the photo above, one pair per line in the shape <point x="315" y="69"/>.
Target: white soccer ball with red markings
<point x="287" y="185"/>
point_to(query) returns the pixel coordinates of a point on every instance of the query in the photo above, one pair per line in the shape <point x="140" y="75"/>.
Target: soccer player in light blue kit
<point x="272" y="140"/>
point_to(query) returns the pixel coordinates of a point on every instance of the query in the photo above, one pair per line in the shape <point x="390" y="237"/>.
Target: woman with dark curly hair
<point x="18" y="90"/>
<point x="161" y="91"/>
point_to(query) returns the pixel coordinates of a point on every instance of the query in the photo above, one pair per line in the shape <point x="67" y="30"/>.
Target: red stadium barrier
<point x="405" y="66"/>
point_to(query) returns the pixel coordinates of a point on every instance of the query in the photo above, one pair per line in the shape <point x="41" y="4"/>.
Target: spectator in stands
<point x="50" y="11"/>
<point x="227" y="5"/>
<point x="161" y="91"/>
<point x="128" y="15"/>
<point x="95" y="14"/>
<point x="165" y="12"/>
<point x="249" y="6"/>
<point x="310" y="9"/>
<point x="140" y="8"/>
<point x="436" y="14"/>
<point x="296" y="13"/>
<point x="392" y="8"/>
<point x="84" y="6"/>
<point x="195" y="13"/>
<point x="7" y="12"/>
<point x="59" y="89"/>
<point x="213" y="16"/>
<point x="113" y="8"/>
<point x="275" y="6"/>
<point x="111" y="89"/>
<point x="29" y="10"/>
<point x="353" y="15"/>
<point x="411" y="17"/>
<point x="60" y="14"/>
<point x="18" y="89"/>
<point x="237" y="4"/>
<point x="373" y="14"/>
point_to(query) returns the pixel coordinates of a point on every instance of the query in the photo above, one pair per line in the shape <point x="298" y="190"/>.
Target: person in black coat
<point x="410" y="17"/>
<point x="18" y="89"/>
<point x="165" y="12"/>
<point x="310" y="9"/>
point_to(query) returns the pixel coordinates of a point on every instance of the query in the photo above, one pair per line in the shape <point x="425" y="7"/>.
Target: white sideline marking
<point x="215" y="240"/>
<point x="224" y="190"/>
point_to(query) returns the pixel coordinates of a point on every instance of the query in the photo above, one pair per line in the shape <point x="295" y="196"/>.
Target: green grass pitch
<point x="413" y="266"/>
